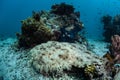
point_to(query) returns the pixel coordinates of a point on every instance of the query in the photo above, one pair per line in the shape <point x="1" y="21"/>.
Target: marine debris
<point x="60" y="24"/>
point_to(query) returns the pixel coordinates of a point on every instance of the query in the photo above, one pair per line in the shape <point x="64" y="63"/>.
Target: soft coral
<point x="115" y="48"/>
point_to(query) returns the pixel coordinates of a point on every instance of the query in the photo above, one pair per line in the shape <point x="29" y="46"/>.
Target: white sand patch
<point x="99" y="46"/>
<point x="14" y="65"/>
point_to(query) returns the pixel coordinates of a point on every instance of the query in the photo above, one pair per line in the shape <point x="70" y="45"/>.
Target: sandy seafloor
<point x="14" y="65"/>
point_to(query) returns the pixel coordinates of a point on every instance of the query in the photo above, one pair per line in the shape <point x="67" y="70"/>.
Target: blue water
<point x="13" y="11"/>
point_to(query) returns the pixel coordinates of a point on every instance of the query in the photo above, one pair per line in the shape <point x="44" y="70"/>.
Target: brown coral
<point x="46" y="26"/>
<point x="33" y="33"/>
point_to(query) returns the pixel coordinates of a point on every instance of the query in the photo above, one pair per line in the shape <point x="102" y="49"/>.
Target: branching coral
<point x="111" y="26"/>
<point x="46" y="26"/>
<point x="36" y="16"/>
<point x="62" y="9"/>
<point x="70" y="24"/>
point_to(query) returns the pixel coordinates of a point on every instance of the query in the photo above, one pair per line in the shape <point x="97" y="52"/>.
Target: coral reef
<point x="54" y="59"/>
<point x="113" y="56"/>
<point x="46" y="26"/>
<point x="111" y="26"/>
<point x="94" y="71"/>
<point x="111" y="34"/>
<point x="62" y="9"/>
<point x="33" y="33"/>
<point x="57" y="51"/>
<point x="107" y="27"/>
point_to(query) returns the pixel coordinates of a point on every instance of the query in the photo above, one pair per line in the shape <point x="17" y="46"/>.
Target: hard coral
<point x="107" y="19"/>
<point x="116" y="20"/>
<point x="33" y="33"/>
<point x="62" y="9"/>
<point x="108" y="27"/>
<point x="46" y="26"/>
<point x="95" y="71"/>
<point x="111" y="26"/>
<point x="90" y="69"/>
<point x="36" y="16"/>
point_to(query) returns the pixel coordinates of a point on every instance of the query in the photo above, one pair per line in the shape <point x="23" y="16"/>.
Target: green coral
<point x="90" y="69"/>
<point x="94" y="71"/>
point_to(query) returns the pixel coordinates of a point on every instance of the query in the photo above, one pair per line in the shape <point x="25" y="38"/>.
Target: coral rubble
<point x="56" y="60"/>
<point x="55" y="25"/>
